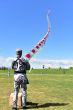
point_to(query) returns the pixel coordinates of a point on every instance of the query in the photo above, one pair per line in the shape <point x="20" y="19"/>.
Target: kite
<point x="33" y="51"/>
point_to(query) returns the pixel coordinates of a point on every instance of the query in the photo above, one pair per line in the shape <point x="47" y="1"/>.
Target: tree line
<point x="4" y="68"/>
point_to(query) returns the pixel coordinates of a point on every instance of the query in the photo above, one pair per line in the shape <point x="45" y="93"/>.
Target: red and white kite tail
<point x="29" y="55"/>
<point x="32" y="52"/>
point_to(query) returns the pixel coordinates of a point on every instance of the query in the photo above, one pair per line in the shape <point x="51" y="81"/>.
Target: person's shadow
<point x="31" y="105"/>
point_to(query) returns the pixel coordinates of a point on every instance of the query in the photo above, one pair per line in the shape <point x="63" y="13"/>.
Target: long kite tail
<point x="32" y="52"/>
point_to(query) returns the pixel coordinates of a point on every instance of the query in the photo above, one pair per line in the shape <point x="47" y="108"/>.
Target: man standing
<point x="20" y="65"/>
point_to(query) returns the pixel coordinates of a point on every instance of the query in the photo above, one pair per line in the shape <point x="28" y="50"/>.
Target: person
<point x="20" y="66"/>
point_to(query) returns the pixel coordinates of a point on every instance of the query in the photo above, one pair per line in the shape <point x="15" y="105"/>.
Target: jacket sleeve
<point x="12" y="65"/>
<point x="27" y="65"/>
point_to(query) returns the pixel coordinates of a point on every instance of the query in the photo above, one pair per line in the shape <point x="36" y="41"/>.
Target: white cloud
<point x="51" y="63"/>
<point x="37" y="63"/>
<point x="6" y="61"/>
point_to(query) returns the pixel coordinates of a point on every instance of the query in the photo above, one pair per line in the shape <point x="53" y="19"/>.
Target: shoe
<point x="24" y="107"/>
<point x="14" y="108"/>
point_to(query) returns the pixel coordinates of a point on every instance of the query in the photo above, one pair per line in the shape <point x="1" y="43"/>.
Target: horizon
<point x="38" y="63"/>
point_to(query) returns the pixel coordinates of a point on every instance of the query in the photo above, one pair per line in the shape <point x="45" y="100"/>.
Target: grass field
<point x="48" y="90"/>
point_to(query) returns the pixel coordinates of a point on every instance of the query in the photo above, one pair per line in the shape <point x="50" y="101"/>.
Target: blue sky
<point x="23" y="23"/>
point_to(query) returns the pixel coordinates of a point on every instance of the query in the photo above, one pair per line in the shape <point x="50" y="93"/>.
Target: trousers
<point x="20" y="81"/>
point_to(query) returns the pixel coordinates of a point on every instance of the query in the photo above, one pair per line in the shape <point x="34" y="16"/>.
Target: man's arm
<point x="27" y="65"/>
<point x="13" y="63"/>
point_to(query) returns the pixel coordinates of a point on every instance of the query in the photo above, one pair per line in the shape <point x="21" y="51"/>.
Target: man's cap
<point x="18" y="51"/>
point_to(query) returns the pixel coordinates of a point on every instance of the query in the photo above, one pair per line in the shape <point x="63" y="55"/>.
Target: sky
<point x="23" y="23"/>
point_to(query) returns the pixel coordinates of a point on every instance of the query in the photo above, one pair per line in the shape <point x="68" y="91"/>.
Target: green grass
<point x="48" y="90"/>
